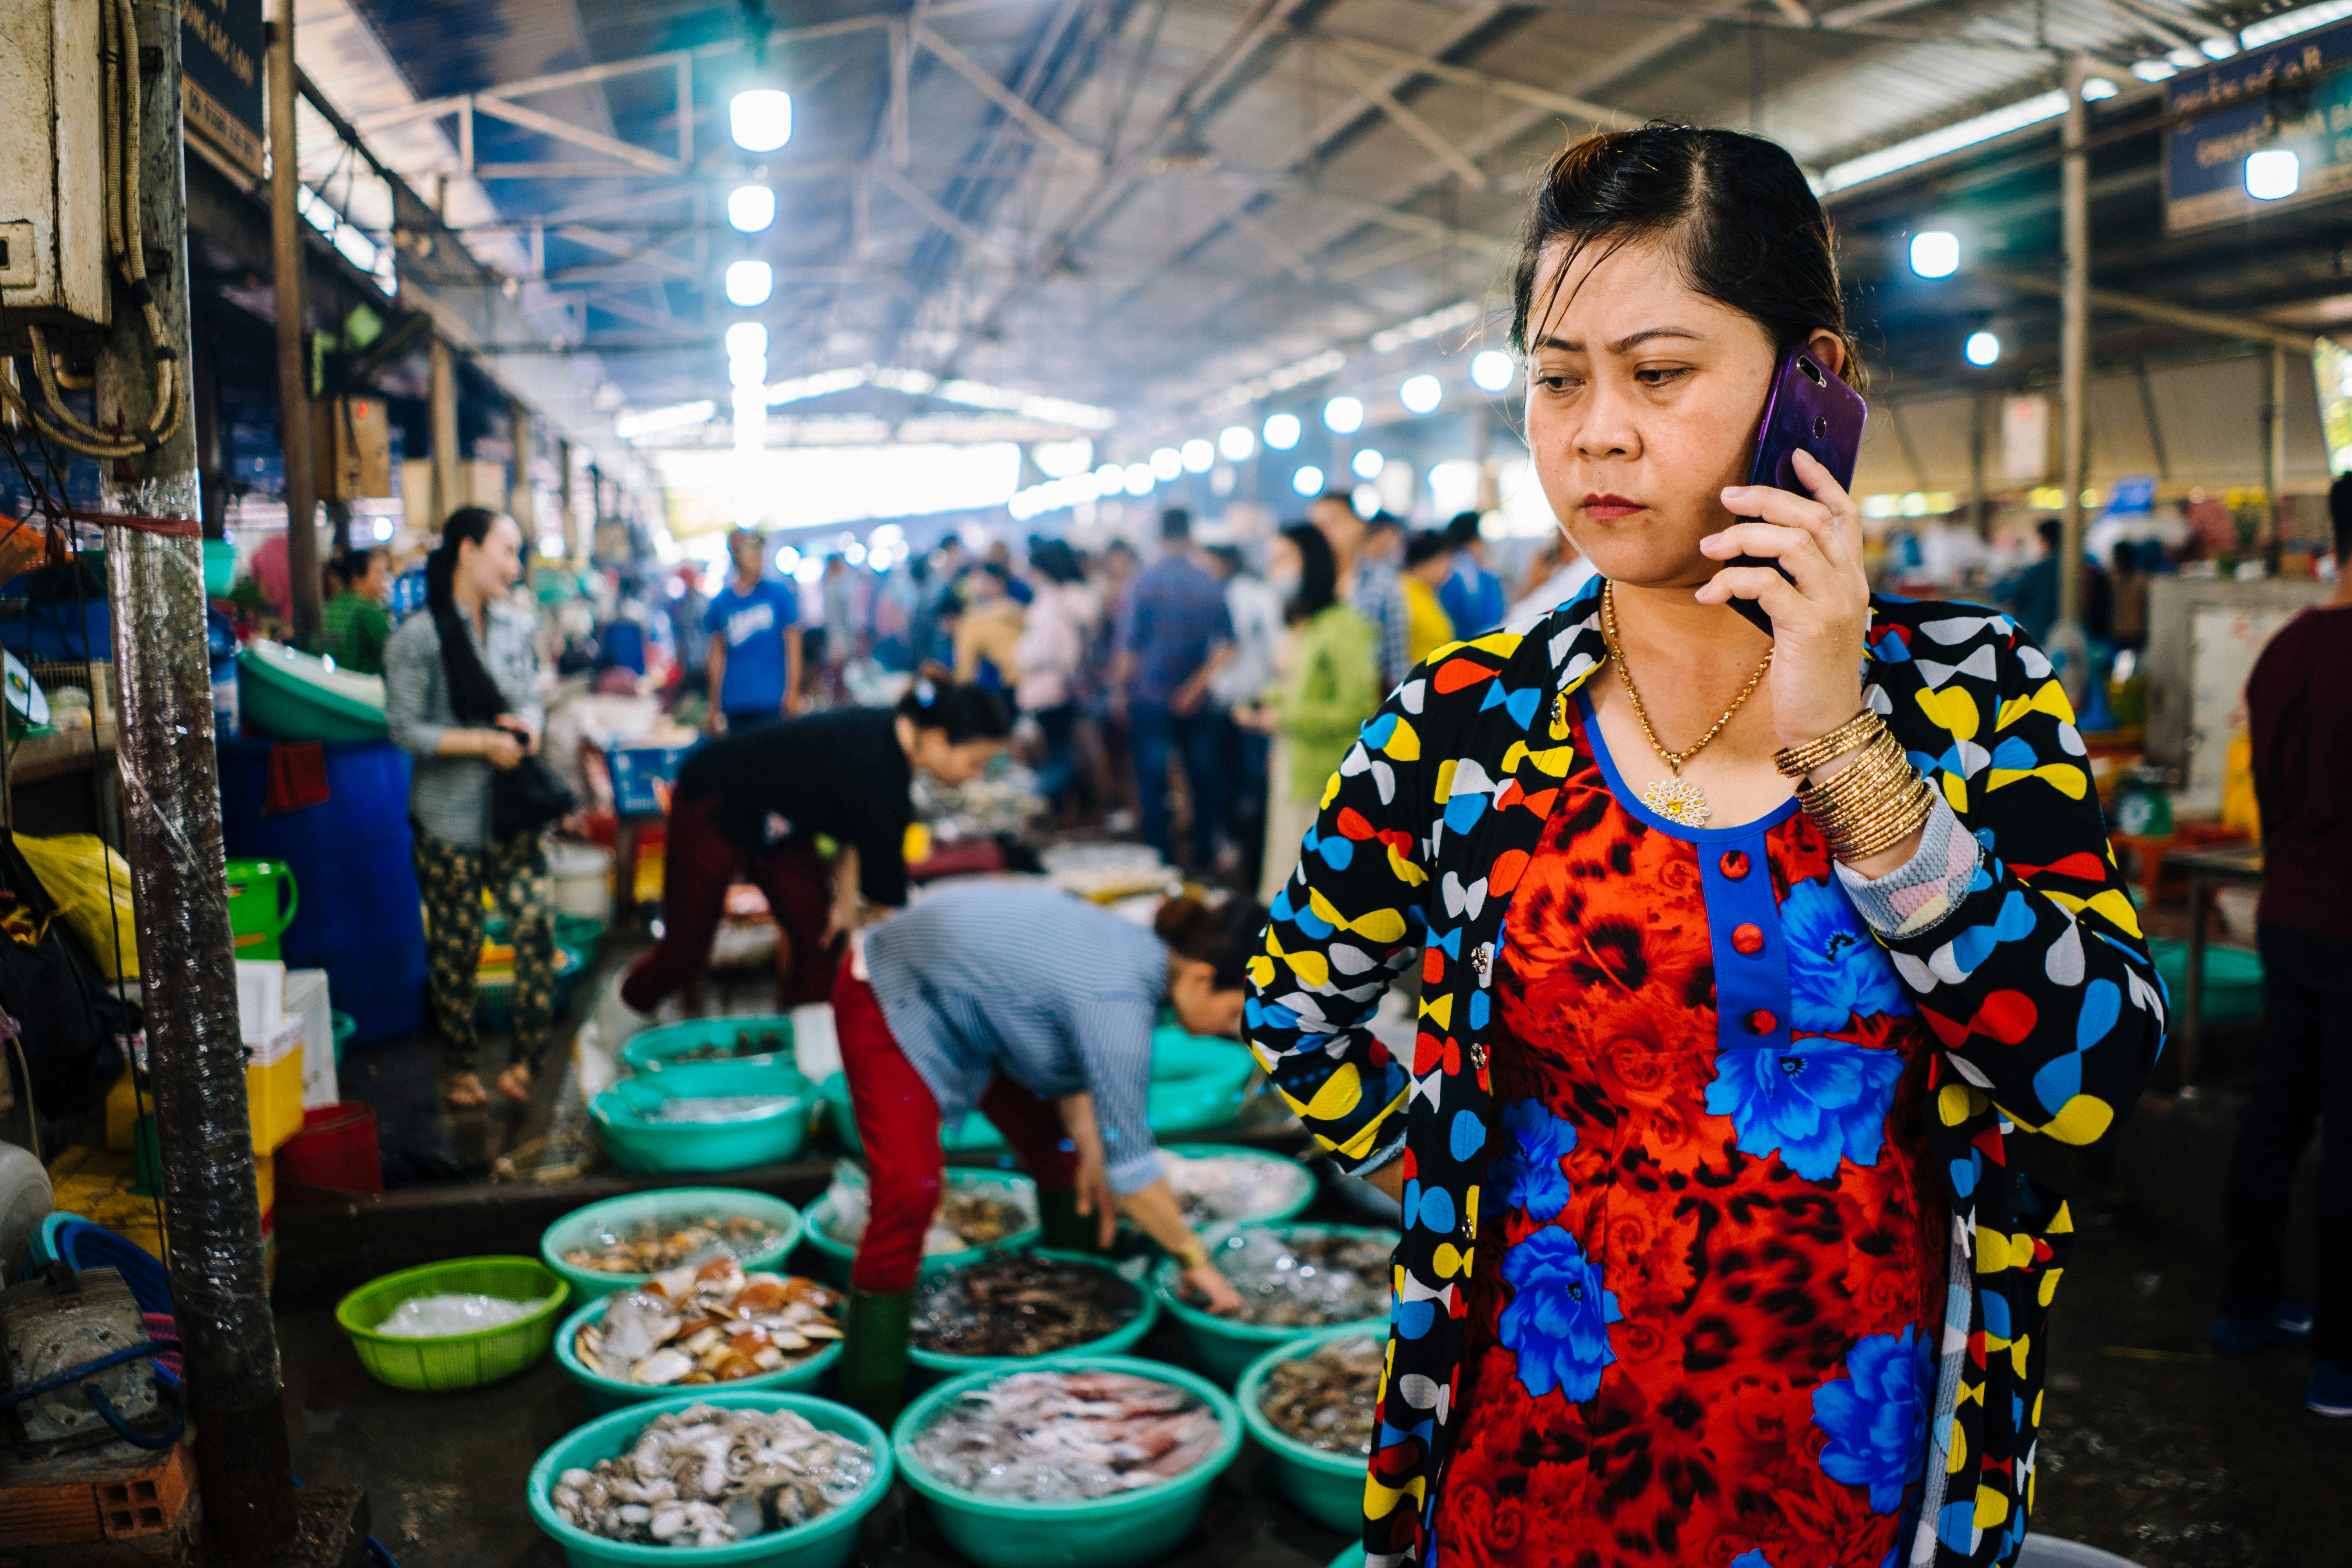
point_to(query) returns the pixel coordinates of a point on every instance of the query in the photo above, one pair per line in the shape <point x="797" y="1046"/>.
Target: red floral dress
<point x="1706" y="1337"/>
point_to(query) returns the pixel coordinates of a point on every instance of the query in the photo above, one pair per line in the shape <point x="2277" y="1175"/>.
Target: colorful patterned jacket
<point x="2037" y="986"/>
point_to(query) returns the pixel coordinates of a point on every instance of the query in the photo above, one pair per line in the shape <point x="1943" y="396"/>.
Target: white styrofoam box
<point x="52" y="211"/>
<point x="817" y="1046"/>
<point x="260" y="998"/>
<point x="307" y="1000"/>
<point x="285" y="1037"/>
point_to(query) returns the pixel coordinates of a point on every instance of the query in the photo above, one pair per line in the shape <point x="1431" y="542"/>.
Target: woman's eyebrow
<point x="1623" y="345"/>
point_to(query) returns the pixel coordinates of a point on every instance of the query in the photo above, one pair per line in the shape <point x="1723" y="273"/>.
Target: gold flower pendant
<point x="1677" y="800"/>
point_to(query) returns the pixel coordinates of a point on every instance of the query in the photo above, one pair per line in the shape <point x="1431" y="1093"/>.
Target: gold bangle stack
<point x="1192" y="1255"/>
<point x="1874" y="802"/>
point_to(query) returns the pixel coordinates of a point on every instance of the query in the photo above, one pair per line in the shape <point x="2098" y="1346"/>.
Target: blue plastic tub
<point x="361" y="919"/>
<point x="642" y="776"/>
<point x="827" y="1541"/>
<point x="639" y="1143"/>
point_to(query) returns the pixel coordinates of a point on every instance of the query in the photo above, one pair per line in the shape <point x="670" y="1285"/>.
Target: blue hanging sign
<point x="2294" y="96"/>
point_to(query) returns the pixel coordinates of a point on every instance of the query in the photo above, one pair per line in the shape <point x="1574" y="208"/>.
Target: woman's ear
<point x="1829" y="349"/>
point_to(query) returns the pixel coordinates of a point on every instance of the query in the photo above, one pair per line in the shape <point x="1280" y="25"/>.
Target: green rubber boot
<point x="873" y="1376"/>
<point x="1066" y="1229"/>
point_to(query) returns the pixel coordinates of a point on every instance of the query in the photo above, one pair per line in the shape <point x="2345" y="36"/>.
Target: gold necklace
<point x="1675" y="797"/>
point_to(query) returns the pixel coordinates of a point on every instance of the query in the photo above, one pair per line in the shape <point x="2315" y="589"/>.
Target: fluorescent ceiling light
<point x="1951" y="138"/>
<point x="1167" y="464"/>
<point x="2271" y="29"/>
<point x="1343" y="416"/>
<point x="761" y="118"/>
<point x="1494" y="370"/>
<point x="1199" y="456"/>
<point x="745" y="338"/>
<point x="751" y="208"/>
<point x="1368" y="464"/>
<point x="1307" y="480"/>
<point x="1421" y="393"/>
<point x="678" y="415"/>
<point x="2273" y="174"/>
<point x="750" y="283"/>
<point x="1282" y="431"/>
<point x="1236" y="442"/>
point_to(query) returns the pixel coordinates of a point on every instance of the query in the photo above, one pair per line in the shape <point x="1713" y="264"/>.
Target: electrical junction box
<point x="52" y="183"/>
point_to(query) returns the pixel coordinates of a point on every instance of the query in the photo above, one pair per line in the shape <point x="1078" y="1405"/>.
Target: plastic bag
<point x="91" y="885"/>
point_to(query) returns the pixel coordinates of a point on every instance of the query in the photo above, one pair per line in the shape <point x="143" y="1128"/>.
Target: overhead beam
<point x="1501" y="87"/>
<point x="1412" y="124"/>
<point x="579" y="136"/>
<point x="2146" y="310"/>
<point x="1011" y="102"/>
<point x="915" y="196"/>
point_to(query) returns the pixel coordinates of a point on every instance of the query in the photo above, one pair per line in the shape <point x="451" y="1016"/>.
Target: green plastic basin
<point x="1224" y="1347"/>
<point x="454" y="1361"/>
<point x="1288" y="1208"/>
<point x="294" y="696"/>
<point x="2233" y="980"/>
<point x="638" y="1143"/>
<point x="1122" y="1530"/>
<point x="1326" y="1486"/>
<point x="1110" y="1345"/>
<point x="832" y="1256"/>
<point x="824" y="1543"/>
<point x="575" y="1228"/>
<point x="650" y="1049"/>
<point x="613" y="1394"/>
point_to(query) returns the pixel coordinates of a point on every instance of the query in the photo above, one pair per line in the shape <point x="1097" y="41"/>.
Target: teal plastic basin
<point x="1110" y="1345"/>
<point x="2233" y="980"/>
<point x="650" y="1051"/>
<point x="1289" y="1208"/>
<point x="1326" y="1486"/>
<point x="973" y="1134"/>
<point x="1123" y="1531"/>
<point x="826" y="1542"/>
<point x="1224" y="1347"/>
<point x="575" y="1228"/>
<point x="613" y="1394"/>
<point x="831" y="1256"/>
<point x="636" y="1143"/>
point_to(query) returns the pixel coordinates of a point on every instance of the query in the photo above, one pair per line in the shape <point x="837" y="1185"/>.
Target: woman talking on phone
<point x="1744" y="953"/>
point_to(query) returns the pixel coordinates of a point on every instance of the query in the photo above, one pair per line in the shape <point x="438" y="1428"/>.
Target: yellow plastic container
<point x="95" y="1184"/>
<point x="274" y="1099"/>
<point x="121" y="1114"/>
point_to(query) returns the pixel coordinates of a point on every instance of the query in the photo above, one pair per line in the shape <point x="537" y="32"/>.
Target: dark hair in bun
<point x="936" y="700"/>
<point x="1225" y="935"/>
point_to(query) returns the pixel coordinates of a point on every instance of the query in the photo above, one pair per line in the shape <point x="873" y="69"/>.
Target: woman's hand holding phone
<point x="1820" y="610"/>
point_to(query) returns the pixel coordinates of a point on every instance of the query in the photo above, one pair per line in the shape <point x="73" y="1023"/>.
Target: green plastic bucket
<point x="1288" y="1209"/>
<point x="1111" y="1344"/>
<point x="832" y="1257"/>
<point x="1124" y="1530"/>
<point x="636" y="1143"/>
<point x="827" y="1541"/>
<point x="651" y="1049"/>
<point x="1326" y="1486"/>
<point x="577" y="1227"/>
<point x="455" y="1360"/>
<point x="262" y="901"/>
<point x="614" y="1394"/>
<point x="1223" y="1347"/>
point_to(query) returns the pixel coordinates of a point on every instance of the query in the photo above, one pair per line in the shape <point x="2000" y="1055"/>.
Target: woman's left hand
<point x="1821" y="621"/>
<point x="522" y="727"/>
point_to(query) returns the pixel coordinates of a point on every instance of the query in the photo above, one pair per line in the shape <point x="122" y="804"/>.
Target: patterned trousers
<point x="454" y="877"/>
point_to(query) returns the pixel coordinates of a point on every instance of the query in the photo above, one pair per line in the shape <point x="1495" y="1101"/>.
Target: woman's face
<point x="1200" y="1006"/>
<point x="492" y="565"/>
<point x="1284" y="565"/>
<point x="950" y="763"/>
<point x="1643" y="401"/>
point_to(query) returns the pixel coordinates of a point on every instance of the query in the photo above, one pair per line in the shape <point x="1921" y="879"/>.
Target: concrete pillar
<point x="286" y="227"/>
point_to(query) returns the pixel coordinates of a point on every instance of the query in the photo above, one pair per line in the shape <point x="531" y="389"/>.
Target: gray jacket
<point x="449" y="797"/>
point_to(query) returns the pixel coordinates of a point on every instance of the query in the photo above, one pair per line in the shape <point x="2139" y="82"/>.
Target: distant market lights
<point x="1199" y="456"/>
<point x="1236" y="443"/>
<point x="1282" y="431"/>
<point x="1422" y="394"/>
<point x="2273" y="174"/>
<point x="1982" y="349"/>
<point x="748" y="283"/>
<point x="1934" y="253"/>
<point x="1492" y="370"/>
<point x="761" y="118"/>
<point x="1343" y="416"/>
<point x="1308" y="481"/>
<point x="751" y="208"/>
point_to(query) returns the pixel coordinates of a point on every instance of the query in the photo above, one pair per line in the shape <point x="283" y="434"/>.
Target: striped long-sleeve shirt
<point x="1055" y="992"/>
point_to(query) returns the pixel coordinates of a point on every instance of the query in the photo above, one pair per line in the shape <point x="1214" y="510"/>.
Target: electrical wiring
<point x="120" y="117"/>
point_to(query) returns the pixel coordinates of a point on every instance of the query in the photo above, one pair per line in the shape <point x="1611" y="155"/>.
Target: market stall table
<point x="2238" y="865"/>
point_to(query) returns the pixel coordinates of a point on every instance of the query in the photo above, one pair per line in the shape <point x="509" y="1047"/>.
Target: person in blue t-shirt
<point x="1472" y="597"/>
<point x="755" y="658"/>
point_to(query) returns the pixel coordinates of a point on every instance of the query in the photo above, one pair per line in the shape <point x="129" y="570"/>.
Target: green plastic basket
<point x="650" y="1051"/>
<point x="636" y="1143"/>
<point x="833" y="1257"/>
<point x="827" y="1541"/>
<point x="1224" y="1347"/>
<point x="681" y="1202"/>
<point x="1127" y="1334"/>
<point x="1124" y="1530"/>
<point x="613" y="1394"/>
<point x="1326" y="1486"/>
<point x="458" y="1360"/>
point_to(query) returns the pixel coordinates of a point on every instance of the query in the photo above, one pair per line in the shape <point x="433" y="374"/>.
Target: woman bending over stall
<point x="759" y="799"/>
<point x="1743" y="956"/>
<point x="1036" y="1008"/>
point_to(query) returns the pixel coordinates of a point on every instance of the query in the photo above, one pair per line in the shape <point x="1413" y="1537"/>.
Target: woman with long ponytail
<point x="461" y="697"/>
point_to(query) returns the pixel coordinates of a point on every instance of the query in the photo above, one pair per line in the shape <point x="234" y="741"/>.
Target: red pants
<point x="898" y="1123"/>
<point x="697" y="867"/>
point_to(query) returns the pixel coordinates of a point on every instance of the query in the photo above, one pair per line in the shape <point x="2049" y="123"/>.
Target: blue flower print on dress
<point x="1811" y="1103"/>
<point x="1835" y="969"/>
<point x="1558" y="1318"/>
<point x="1755" y="1559"/>
<point x="1876" y="1416"/>
<point x="1525" y="1172"/>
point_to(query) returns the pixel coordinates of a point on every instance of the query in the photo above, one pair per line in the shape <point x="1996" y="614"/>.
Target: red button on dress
<point x="1761" y="1022"/>
<point x="1735" y="864"/>
<point x="1747" y="941"/>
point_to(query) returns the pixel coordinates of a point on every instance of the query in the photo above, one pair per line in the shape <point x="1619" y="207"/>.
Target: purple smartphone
<point x="1811" y="408"/>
